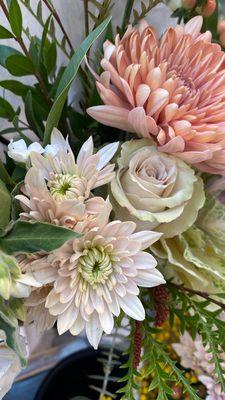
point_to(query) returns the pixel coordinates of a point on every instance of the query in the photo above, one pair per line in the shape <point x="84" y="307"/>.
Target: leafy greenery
<point x="68" y="77"/>
<point x="5" y="200"/>
<point x="26" y="237"/>
<point x="196" y="315"/>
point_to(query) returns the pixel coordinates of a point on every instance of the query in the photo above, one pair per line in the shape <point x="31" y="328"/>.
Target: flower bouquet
<point x="113" y="202"/>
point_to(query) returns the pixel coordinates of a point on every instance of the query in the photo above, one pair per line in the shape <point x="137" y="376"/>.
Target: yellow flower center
<point x="66" y="186"/>
<point x="95" y="265"/>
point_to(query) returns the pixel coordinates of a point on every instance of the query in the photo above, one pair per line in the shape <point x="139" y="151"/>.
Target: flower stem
<point x="86" y="19"/>
<point x="57" y="18"/>
<point x="197" y="293"/>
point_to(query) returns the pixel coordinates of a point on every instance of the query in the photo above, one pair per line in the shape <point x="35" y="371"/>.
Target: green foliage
<point x="9" y="324"/>
<point x="6" y="110"/>
<point x="157" y="358"/>
<point x="198" y="316"/>
<point x="131" y="375"/>
<point x="68" y="78"/>
<point x="20" y="65"/>
<point x="5" y="201"/>
<point x="9" y="272"/>
<point x="15" y="18"/>
<point x="5" y="52"/>
<point x="26" y="237"/>
<point x="5" y="33"/>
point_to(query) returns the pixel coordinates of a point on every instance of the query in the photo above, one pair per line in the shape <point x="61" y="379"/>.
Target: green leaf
<point x="17" y="306"/>
<point x="67" y="79"/>
<point x="5" y="52"/>
<point x="16" y="87"/>
<point x="5" y="201"/>
<point x="6" y="110"/>
<point x="44" y="36"/>
<point x="50" y="57"/>
<point x="9" y="325"/>
<point x="9" y="272"/>
<point x="5" y="177"/>
<point x="4" y="33"/>
<point x="15" y="18"/>
<point x="31" y="119"/>
<point x="26" y="237"/>
<point x="19" y="65"/>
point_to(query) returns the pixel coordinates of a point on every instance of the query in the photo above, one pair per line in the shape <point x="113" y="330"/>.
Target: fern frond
<point x="157" y="358"/>
<point x="196" y="317"/>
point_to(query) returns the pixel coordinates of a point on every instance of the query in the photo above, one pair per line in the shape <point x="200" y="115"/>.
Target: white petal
<point x="78" y="326"/>
<point x="66" y="319"/>
<point x="85" y="152"/>
<point x="107" y="321"/>
<point x="94" y="330"/>
<point x="106" y="154"/>
<point x="144" y="260"/>
<point x="132" y="306"/>
<point x="149" y="278"/>
<point x="146" y="238"/>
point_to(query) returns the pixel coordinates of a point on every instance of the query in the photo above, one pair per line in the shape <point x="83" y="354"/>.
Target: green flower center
<point x="95" y="265"/>
<point x="65" y="186"/>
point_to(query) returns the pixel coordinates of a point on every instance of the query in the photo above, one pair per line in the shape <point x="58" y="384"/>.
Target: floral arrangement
<point x="113" y="209"/>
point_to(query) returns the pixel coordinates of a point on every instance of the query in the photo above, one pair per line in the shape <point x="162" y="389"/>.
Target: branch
<point x="197" y="293"/>
<point x="57" y="18"/>
<point x="86" y="19"/>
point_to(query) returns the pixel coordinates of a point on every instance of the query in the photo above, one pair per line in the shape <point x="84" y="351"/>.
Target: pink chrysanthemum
<point x="172" y="89"/>
<point x="98" y="275"/>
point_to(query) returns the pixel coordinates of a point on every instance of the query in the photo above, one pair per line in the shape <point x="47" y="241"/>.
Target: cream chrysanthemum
<point x="68" y="178"/>
<point x="98" y="275"/>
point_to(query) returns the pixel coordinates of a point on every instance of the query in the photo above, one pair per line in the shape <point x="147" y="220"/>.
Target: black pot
<point x="70" y="377"/>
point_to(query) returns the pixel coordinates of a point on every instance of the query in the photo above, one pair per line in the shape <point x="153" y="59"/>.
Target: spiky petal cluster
<point x="98" y="275"/>
<point x="171" y="89"/>
<point x="58" y="188"/>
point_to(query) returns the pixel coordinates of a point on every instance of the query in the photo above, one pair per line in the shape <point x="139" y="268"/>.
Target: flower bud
<point x="188" y="4"/>
<point x="209" y="8"/>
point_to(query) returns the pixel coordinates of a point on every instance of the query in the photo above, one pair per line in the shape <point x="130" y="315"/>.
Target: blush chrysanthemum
<point x="98" y="275"/>
<point x="172" y="89"/>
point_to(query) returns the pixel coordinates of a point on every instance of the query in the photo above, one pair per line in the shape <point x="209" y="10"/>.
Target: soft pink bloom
<point x="194" y="355"/>
<point x="172" y="89"/>
<point x="98" y="275"/>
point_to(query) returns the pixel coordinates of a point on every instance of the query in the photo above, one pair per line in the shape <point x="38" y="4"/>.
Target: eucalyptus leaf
<point x="68" y="78"/>
<point x="26" y="237"/>
<point x="20" y="65"/>
<point x="5" y="201"/>
<point x="15" y="18"/>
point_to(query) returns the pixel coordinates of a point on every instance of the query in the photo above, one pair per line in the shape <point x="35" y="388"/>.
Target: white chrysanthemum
<point x="98" y="275"/>
<point x="68" y="178"/>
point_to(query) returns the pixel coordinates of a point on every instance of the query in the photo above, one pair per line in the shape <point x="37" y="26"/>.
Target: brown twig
<point x="57" y="18"/>
<point x="86" y="19"/>
<point x="204" y="295"/>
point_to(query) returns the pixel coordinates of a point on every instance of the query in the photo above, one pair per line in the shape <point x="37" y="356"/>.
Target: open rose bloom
<point x="171" y="89"/>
